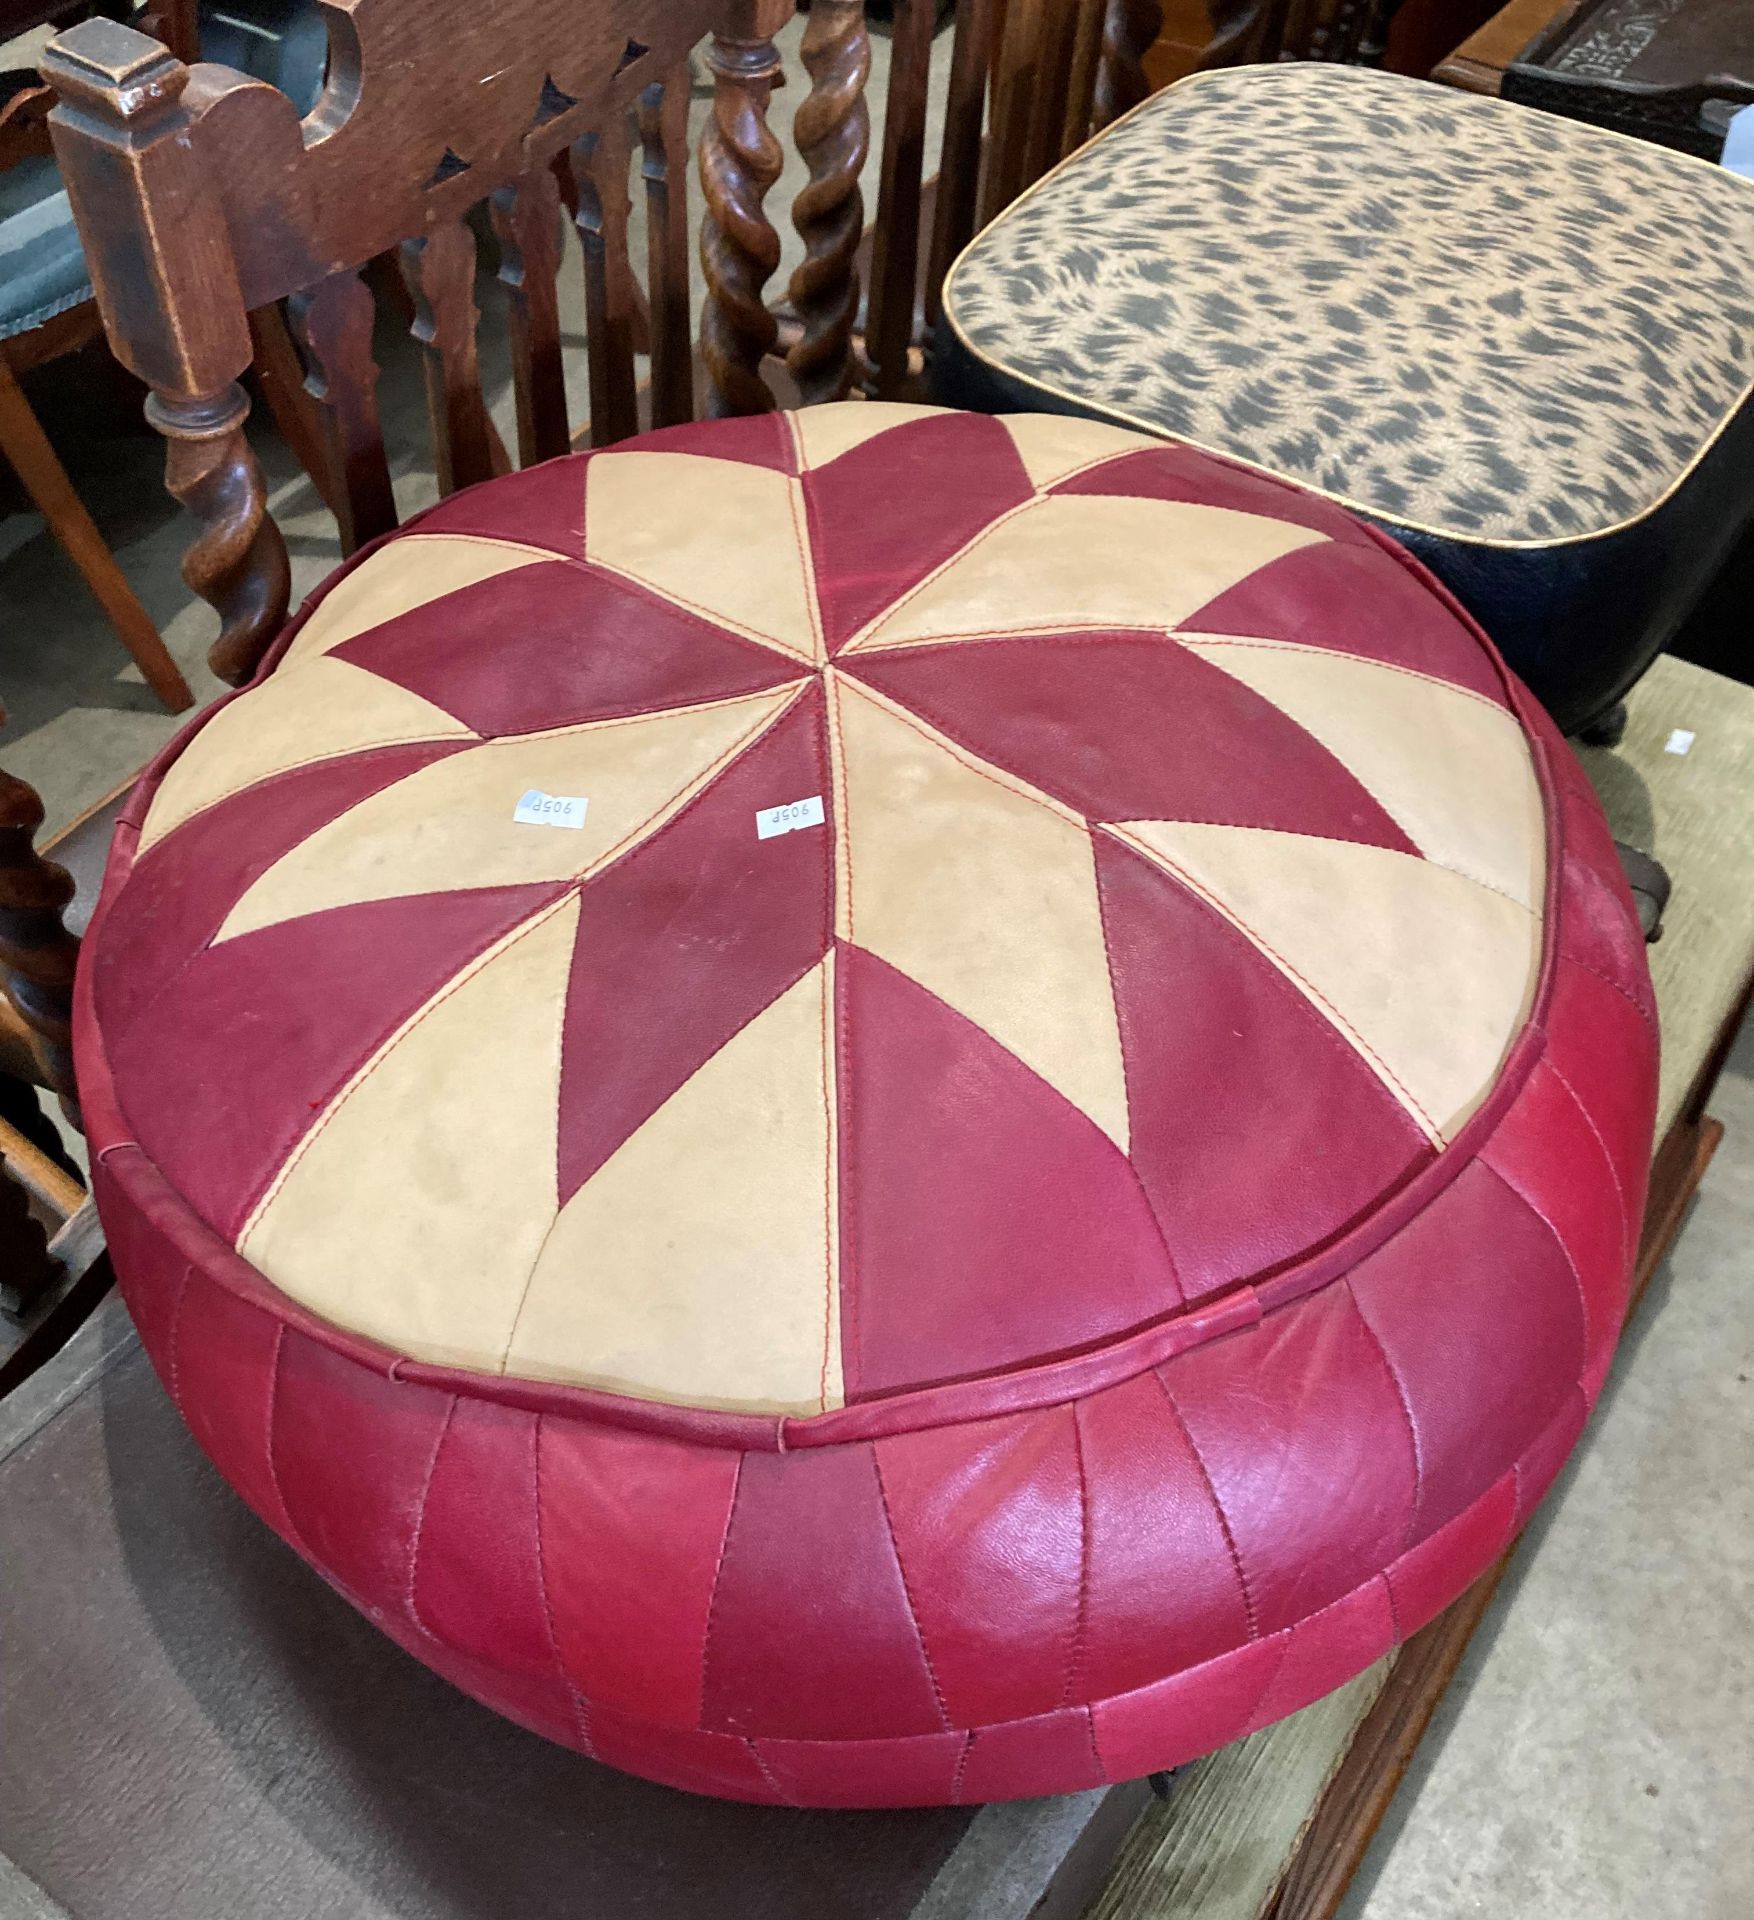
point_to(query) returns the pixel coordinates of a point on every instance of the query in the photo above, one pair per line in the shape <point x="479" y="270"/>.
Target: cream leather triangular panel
<point x="1054" y="446"/>
<point x="822" y="434"/>
<point x="320" y="711"/>
<point x="985" y="894"/>
<point x="450" y="825"/>
<point x="408" y="573"/>
<point x="417" y="1204"/>
<point x="1032" y="572"/>
<point x="698" y="1264"/>
<point x="1451" y="770"/>
<point x="1429" y="975"/>
<point x="720" y="537"/>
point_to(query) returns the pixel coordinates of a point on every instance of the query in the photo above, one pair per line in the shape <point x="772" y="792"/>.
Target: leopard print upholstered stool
<point x="877" y="1106"/>
<point x="1522" y="345"/>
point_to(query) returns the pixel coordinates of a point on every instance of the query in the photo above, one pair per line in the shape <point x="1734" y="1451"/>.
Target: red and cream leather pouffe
<point x="1032" y="1156"/>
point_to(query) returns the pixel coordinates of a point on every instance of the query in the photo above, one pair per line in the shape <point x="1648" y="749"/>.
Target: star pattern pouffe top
<point x="877" y="1106"/>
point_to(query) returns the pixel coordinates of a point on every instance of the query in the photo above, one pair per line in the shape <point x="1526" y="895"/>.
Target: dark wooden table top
<point x="1478" y="64"/>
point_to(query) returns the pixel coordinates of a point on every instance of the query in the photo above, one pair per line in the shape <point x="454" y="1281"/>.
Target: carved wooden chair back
<point x="202" y="197"/>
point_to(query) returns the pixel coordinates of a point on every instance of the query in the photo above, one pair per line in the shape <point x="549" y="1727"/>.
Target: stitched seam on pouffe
<point x="1242" y="1579"/>
<point x="580" y="1706"/>
<point x="913" y="1612"/>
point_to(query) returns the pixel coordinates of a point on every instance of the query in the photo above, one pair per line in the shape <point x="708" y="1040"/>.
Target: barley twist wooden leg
<point x="739" y="161"/>
<point x="237" y="562"/>
<point x="833" y="131"/>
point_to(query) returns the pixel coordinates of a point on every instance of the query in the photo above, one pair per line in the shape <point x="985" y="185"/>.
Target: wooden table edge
<point x="1478" y="64"/>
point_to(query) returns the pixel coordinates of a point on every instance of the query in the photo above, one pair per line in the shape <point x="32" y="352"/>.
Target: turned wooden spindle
<point x="739" y="161"/>
<point x="1129" y="30"/>
<point x="833" y="132"/>
<point x="237" y="561"/>
<point x="37" y="953"/>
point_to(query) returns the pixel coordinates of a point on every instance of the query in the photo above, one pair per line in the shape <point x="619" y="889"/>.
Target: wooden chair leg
<point x="27" y="447"/>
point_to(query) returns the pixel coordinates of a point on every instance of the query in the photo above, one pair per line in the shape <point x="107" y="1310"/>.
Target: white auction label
<point x="539" y="809"/>
<point x="787" y="819"/>
<point x="1679" y="741"/>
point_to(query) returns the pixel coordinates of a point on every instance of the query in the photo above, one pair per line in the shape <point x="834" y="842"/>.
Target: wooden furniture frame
<point x="203" y="200"/>
<point x="24" y="134"/>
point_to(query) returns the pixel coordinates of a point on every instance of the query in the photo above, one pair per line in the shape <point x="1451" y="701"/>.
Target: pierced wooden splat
<point x="600" y="163"/>
<point x="833" y="131"/>
<point x="427" y="111"/>
<point x="449" y="166"/>
<point x="203" y="198"/>
<point x="439" y="269"/>
<point x="663" y="132"/>
<point x="332" y="324"/>
<point x="526" y="221"/>
<point x="552" y="102"/>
